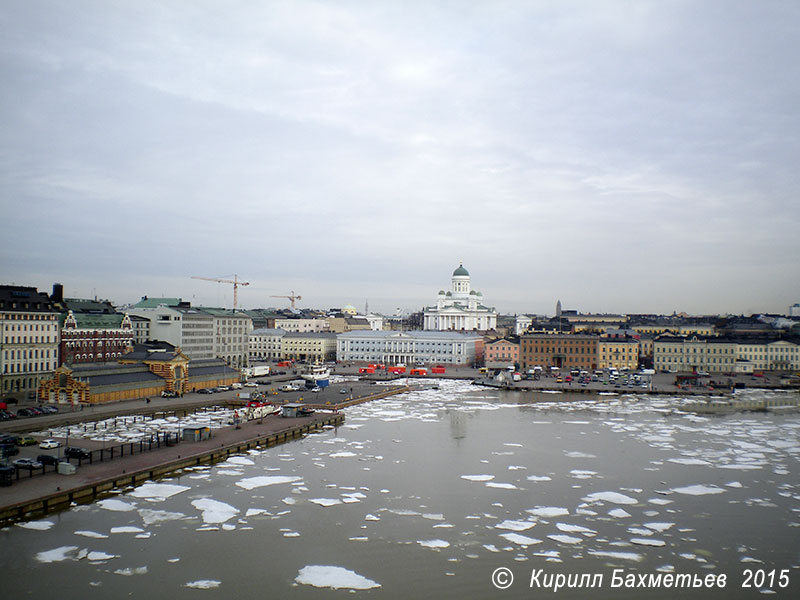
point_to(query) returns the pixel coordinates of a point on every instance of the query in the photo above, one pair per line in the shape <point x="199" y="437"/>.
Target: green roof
<point x="156" y="302"/>
<point x="460" y="271"/>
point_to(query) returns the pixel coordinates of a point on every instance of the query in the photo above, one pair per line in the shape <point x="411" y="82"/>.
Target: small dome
<point x="460" y="271"/>
<point x="441" y="292"/>
<point x="449" y="293"/>
<point x="479" y="293"/>
<point x="473" y="293"/>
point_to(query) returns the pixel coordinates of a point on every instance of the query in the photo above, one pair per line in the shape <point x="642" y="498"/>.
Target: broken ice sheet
<point x="157" y="490"/>
<point x="214" y="511"/>
<point x="334" y="577"/>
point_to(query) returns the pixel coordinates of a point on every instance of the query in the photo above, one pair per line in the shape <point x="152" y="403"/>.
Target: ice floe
<point x="478" y="477"/>
<point x="325" y="501"/>
<point x="521" y="540"/>
<point x="334" y="577"/>
<point x="613" y="497"/>
<point x="434" y="543"/>
<point x="36" y="525"/>
<point x="115" y="505"/>
<point x="698" y="490"/>
<point x="57" y="554"/>
<point x="251" y="483"/>
<point x="203" y="584"/>
<point x="157" y="490"/>
<point x="214" y="511"/>
<point x="516" y="525"/>
<point x="548" y="512"/>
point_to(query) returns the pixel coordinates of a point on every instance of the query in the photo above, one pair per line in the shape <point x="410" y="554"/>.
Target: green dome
<point x="460" y="271"/>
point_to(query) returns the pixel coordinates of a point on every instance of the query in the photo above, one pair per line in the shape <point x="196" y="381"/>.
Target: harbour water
<point x="428" y="494"/>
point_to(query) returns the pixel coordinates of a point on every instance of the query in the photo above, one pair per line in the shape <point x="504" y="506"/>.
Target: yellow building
<point x="614" y="353"/>
<point x="309" y="347"/>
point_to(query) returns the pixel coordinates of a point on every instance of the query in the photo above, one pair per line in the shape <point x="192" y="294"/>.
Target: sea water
<point x="430" y="494"/>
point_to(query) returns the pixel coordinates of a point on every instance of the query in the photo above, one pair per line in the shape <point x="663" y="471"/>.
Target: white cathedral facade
<point x="460" y="309"/>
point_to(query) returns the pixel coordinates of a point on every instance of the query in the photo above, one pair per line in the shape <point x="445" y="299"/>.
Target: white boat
<point x="316" y="375"/>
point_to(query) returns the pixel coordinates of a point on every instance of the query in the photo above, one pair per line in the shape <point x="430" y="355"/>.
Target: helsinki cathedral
<point x="460" y="309"/>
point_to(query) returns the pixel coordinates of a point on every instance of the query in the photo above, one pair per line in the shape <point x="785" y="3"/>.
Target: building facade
<point x="501" y="353"/>
<point x="93" y="331"/>
<point x="29" y="340"/>
<point x="202" y="333"/>
<point x="460" y="309"/>
<point x="694" y="353"/>
<point x="617" y="353"/>
<point x="308" y="347"/>
<point x="565" y="351"/>
<point x="410" y="347"/>
<point x="302" y="325"/>
<point x="265" y="344"/>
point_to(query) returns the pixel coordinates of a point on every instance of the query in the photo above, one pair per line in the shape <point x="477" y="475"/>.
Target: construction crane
<point x="291" y="298"/>
<point x="235" y="281"/>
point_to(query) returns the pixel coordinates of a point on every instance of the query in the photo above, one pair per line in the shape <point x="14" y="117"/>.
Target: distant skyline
<point x="632" y="157"/>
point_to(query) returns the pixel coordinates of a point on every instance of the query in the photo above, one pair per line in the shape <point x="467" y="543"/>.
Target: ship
<point x="316" y="376"/>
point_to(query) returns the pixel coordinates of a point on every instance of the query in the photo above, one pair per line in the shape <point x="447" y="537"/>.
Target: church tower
<point x="460" y="285"/>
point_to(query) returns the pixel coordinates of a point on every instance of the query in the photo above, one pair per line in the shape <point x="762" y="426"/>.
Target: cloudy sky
<point x="620" y="156"/>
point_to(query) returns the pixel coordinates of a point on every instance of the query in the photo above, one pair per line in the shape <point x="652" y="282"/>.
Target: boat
<point x="316" y="376"/>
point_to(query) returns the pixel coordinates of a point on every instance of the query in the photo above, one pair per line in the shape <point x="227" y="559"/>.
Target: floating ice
<point x="659" y="526"/>
<point x="548" y="512"/>
<point x="203" y="584"/>
<point x="619" y="513"/>
<point x="522" y="540"/>
<point x="214" y="511"/>
<point x="92" y="534"/>
<point x="698" y="490"/>
<point x="343" y="454"/>
<point x="115" y="505"/>
<point x="239" y="460"/>
<point x="648" y="542"/>
<point x="689" y="461"/>
<point x="565" y="539"/>
<point x="569" y="528"/>
<point x="157" y="490"/>
<point x="334" y="577"/>
<point x="325" y="501"/>
<point x="132" y="571"/>
<point x="501" y="486"/>
<point x="622" y="555"/>
<point x="56" y="554"/>
<point x="98" y="556"/>
<point x="251" y="483"/>
<point x="36" y="525"/>
<point x="575" y="454"/>
<point x="614" y="497"/>
<point x="434" y="543"/>
<point x="126" y="529"/>
<point x="478" y="477"/>
<point x="538" y="478"/>
<point x="734" y="484"/>
<point x="515" y="525"/>
<point x="149" y="517"/>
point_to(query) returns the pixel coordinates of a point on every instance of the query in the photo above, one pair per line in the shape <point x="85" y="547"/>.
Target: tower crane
<point x="291" y="298"/>
<point x="235" y="281"/>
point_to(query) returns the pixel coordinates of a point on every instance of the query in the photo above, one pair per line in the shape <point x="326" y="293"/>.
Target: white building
<point x="265" y="344"/>
<point x="460" y="309"/>
<point x="29" y="340"/>
<point x="302" y="325"/>
<point x="410" y="347"/>
<point x="201" y="333"/>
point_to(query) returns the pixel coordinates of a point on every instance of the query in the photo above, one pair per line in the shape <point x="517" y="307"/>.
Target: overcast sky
<point x="620" y="156"/>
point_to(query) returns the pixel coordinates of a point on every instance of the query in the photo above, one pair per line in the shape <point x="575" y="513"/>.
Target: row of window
<point x="28" y="367"/>
<point x="25" y="354"/>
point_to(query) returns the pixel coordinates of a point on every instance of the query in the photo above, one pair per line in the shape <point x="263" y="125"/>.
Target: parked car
<point x="27" y="463"/>
<point x="169" y="394"/>
<point x="26" y="440"/>
<point x="8" y="450"/>
<point x="49" y="444"/>
<point x="49" y="409"/>
<point x="25" y="412"/>
<point x="47" y="459"/>
<point x="250" y="384"/>
<point x="73" y="452"/>
<point x="205" y="391"/>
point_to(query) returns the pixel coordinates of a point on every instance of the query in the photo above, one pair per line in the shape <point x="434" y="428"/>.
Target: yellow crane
<point x="235" y="281"/>
<point x="291" y="298"/>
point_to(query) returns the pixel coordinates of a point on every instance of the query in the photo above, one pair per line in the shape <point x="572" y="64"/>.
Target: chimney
<point x="58" y="293"/>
